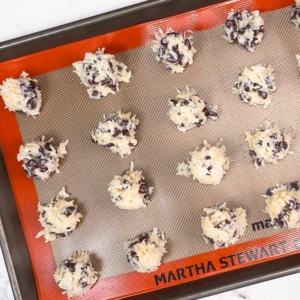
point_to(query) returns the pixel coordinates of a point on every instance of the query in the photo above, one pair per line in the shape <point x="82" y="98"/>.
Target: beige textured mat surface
<point x="177" y="202"/>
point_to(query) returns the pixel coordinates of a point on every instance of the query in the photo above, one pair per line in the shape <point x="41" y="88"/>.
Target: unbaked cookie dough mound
<point x="283" y="207"/>
<point x="117" y="133"/>
<point x="255" y="85"/>
<point x="41" y="158"/>
<point x="145" y="251"/>
<point x="208" y="164"/>
<point x="295" y="14"/>
<point x="268" y="144"/>
<point x="187" y="110"/>
<point x="130" y="191"/>
<point x="76" y="275"/>
<point x="223" y="226"/>
<point x="101" y="73"/>
<point x="174" y="49"/>
<point x="21" y="95"/>
<point x="59" y="218"/>
<point x="246" y="28"/>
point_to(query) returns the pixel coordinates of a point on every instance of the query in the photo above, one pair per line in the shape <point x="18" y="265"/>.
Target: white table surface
<point x="21" y="17"/>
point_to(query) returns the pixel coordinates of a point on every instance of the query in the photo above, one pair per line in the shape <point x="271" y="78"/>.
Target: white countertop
<point x="21" y="17"/>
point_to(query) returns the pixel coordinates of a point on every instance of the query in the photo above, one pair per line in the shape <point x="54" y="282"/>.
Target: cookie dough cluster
<point x="76" y="275"/>
<point x="117" y="133"/>
<point x="174" y="49"/>
<point x="268" y="144"/>
<point x="101" y="73"/>
<point x="283" y="206"/>
<point x="21" y="95"/>
<point x="145" y="251"/>
<point x="255" y="85"/>
<point x="187" y="110"/>
<point x="41" y="158"/>
<point x="208" y="164"/>
<point x="59" y="218"/>
<point x="246" y="28"/>
<point x="130" y="191"/>
<point x="223" y="226"/>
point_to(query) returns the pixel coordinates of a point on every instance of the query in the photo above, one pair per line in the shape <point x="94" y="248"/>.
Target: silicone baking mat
<point x="177" y="202"/>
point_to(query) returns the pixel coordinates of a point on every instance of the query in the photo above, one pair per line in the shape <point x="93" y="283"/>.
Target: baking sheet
<point x="177" y="202"/>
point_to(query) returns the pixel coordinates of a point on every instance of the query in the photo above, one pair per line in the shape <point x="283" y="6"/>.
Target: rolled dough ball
<point x="41" y="158"/>
<point x="246" y="28"/>
<point x="283" y="207"/>
<point x="255" y="85"/>
<point x="117" y="133"/>
<point x="130" y="191"/>
<point x="208" y="164"/>
<point x="222" y="226"/>
<point x="101" y="73"/>
<point x="21" y="95"/>
<point x="59" y="218"/>
<point x="187" y="110"/>
<point x="76" y="275"/>
<point x="145" y="251"/>
<point x="174" y="49"/>
<point x="295" y="14"/>
<point x="268" y="144"/>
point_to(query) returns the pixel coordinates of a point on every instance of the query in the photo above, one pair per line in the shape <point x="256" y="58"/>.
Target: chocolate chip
<point x="209" y="168"/>
<point x="278" y="223"/>
<point x="143" y="189"/>
<point x="130" y="144"/>
<point x="123" y="123"/>
<point x="173" y="101"/>
<point x="70" y="265"/>
<point x="95" y="93"/>
<point x="161" y="51"/>
<point x="147" y="196"/>
<point x="227" y="222"/>
<point x="32" y="84"/>
<point x="230" y="24"/>
<point x="188" y="44"/>
<point x="186" y="102"/>
<point x="175" y="49"/>
<point x="31" y="165"/>
<point x="262" y="28"/>
<point x="212" y="114"/>
<point x="294" y="185"/>
<point x="258" y="162"/>
<point x="242" y="30"/>
<point x="43" y="214"/>
<point x="180" y="58"/>
<point x="205" y="110"/>
<point x="290" y="205"/>
<point x="259" y="142"/>
<point x="233" y="36"/>
<point x="109" y="145"/>
<point x="209" y="239"/>
<point x="238" y="16"/>
<point x="171" y="59"/>
<point x="282" y="214"/>
<point x="119" y="68"/>
<point x="198" y="124"/>
<point x="116" y="132"/>
<point x="42" y="165"/>
<point x="48" y="146"/>
<point x="263" y="94"/>
<point x="106" y="81"/>
<point x="125" y="132"/>
<point x="247" y="87"/>
<point x="207" y="157"/>
<point x="60" y="234"/>
<point x="164" y="41"/>
<point x="221" y="244"/>
<point x="234" y="234"/>
<point x="144" y="237"/>
<point x="252" y="153"/>
<point x="31" y="104"/>
<point x="84" y="284"/>
<point x="70" y="210"/>
<point x="273" y="136"/>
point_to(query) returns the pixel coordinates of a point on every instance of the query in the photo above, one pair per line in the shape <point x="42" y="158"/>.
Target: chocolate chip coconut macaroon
<point x="21" y="95"/>
<point x="41" y="158"/>
<point x="222" y="226"/>
<point x="283" y="206"/>
<point x="187" y="110"/>
<point x="117" y="133"/>
<point x="208" y="164"/>
<point x="268" y="144"/>
<point x="76" y="275"/>
<point x="174" y="49"/>
<point x="59" y="217"/>
<point x="246" y="28"/>
<point x="101" y="73"/>
<point x="131" y="190"/>
<point x="255" y="85"/>
<point x="145" y="251"/>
